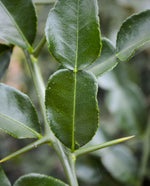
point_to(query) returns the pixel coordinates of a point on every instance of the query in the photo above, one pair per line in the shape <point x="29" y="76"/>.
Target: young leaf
<point x="17" y="114"/>
<point x="38" y="180"/>
<point x="134" y="32"/>
<point x="18" y="27"/>
<point x="4" y="59"/>
<point x="72" y="108"/>
<point x="3" y="178"/>
<point x="107" y="60"/>
<point x="73" y="34"/>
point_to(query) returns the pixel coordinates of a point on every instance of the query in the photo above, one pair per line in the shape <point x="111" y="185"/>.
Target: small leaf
<point x="17" y="114"/>
<point x="107" y="60"/>
<point x="134" y="32"/>
<point x="4" y="59"/>
<point x="73" y="34"/>
<point x="3" y="179"/>
<point x="38" y="180"/>
<point x="72" y="110"/>
<point x="18" y="27"/>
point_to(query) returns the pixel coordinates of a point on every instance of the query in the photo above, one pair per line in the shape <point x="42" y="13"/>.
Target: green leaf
<point x="134" y="32"/>
<point x="73" y="34"/>
<point x="4" y="59"/>
<point x="3" y="178"/>
<point x="72" y="109"/>
<point x="107" y="60"/>
<point x="18" y="117"/>
<point x="18" y="22"/>
<point x="38" y="180"/>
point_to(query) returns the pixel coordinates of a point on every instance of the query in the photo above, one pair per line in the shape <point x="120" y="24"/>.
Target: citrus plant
<point x="69" y="103"/>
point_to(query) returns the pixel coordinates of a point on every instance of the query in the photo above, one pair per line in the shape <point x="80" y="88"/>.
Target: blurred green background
<point x="124" y="102"/>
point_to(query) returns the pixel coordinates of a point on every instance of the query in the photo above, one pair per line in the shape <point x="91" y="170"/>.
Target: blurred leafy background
<point x="124" y="102"/>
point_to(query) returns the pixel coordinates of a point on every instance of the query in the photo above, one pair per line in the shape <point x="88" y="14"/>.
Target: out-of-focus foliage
<point x="124" y="104"/>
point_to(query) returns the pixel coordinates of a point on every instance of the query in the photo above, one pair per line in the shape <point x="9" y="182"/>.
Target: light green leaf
<point x="107" y="60"/>
<point x="3" y="178"/>
<point x="134" y="32"/>
<point x="72" y="110"/>
<point x="4" y="59"/>
<point x="18" y="27"/>
<point x="38" y="180"/>
<point x="18" y="117"/>
<point x="73" y="34"/>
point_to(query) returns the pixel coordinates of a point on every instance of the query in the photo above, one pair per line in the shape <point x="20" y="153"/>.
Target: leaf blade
<point x="3" y="178"/>
<point x="134" y="32"/>
<point x="38" y="180"/>
<point x="17" y="114"/>
<point x="71" y="112"/>
<point x="107" y="60"/>
<point x="72" y="31"/>
<point x="13" y="29"/>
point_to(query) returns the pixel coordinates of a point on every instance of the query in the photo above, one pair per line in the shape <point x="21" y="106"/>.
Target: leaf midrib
<point x="15" y="23"/>
<point x="75" y="79"/>
<point x="19" y="123"/>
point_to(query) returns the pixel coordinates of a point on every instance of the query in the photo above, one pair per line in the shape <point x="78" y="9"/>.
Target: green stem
<point x="38" y="49"/>
<point x="68" y="162"/>
<point x="65" y="156"/>
<point x="100" y="146"/>
<point x="31" y="146"/>
<point x="44" y="2"/>
<point x="146" y="153"/>
<point x="39" y="86"/>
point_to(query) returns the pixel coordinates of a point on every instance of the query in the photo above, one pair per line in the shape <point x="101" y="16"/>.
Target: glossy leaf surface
<point x="134" y="32"/>
<point x="38" y="180"/>
<point x="18" y="27"/>
<point x="3" y="178"/>
<point x="72" y="108"/>
<point x="17" y="114"/>
<point x="4" y="59"/>
<point x="107" y="60"/>
<point x="73" y="34"/>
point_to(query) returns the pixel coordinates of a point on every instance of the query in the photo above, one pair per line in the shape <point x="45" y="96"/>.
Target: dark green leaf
<point x="73" y="33"/>
<point x="34" y="179"/>
<point x="3" y="178"/>
<point x="18" y="22"/>
<point x="107" y="60"/>
<point x="134" y="32"/>
<point x="72" y="109"/>
<point x="4" y="59"/>
<point x="17" y="114"/>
